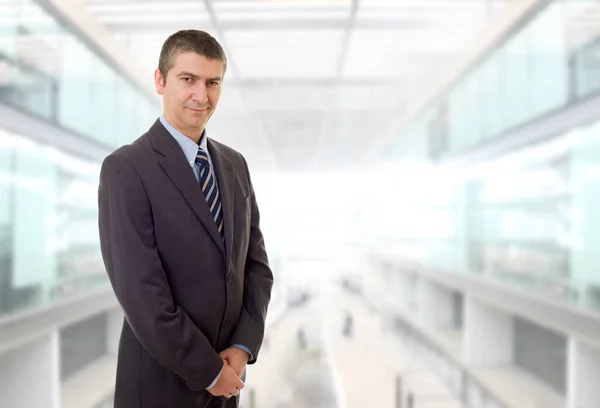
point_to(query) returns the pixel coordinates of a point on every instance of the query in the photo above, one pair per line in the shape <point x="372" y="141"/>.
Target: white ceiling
<point x="311" y="82"/>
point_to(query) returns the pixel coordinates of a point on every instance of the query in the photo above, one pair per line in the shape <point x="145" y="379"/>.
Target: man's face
<point x="191" y="91"/>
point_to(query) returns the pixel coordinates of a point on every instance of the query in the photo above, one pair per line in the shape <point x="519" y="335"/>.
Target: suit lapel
<point x="226" y="181"/>
<point x="177" y="168"/>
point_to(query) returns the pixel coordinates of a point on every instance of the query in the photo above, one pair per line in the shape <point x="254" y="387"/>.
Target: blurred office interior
<point x="451" y="259"/>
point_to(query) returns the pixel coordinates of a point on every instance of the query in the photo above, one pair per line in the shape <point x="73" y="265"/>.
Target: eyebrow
<point x="194" y="76"/>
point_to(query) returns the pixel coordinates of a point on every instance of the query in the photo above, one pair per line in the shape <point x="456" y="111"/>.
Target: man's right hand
<point x="229" y="384"/>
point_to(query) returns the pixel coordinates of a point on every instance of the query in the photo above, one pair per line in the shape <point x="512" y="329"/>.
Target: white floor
<point x="362" y="369"/>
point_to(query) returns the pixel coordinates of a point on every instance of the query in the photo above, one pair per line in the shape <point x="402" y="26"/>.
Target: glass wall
<point x="547" y="63"/>
<point x="49" y="245"/>
<point x="47" y="70"/>
<point x="524" y="77"/>
<point x="48" y="222"/>
<point x="522" y="217"/>
<point x="528" y="219"/>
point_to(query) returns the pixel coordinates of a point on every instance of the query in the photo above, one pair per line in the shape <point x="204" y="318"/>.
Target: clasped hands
<point x="229" y="383"/>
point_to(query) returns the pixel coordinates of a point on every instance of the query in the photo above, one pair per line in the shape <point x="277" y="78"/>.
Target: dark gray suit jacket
<point x="186" y="296"/>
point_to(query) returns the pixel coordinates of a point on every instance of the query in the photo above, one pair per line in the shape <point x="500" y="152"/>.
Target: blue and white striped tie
<point x="210" y="190"/>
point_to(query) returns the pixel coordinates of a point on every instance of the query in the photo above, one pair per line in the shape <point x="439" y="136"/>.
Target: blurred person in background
<point x="181" y="242"/>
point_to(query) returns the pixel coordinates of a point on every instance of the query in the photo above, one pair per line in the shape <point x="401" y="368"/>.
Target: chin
<point x="196" y="123"/>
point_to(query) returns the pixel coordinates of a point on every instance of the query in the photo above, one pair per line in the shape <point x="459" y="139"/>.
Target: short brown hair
<point x="189" y="41"/>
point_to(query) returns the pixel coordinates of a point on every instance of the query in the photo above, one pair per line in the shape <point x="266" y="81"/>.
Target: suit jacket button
<point x="226" y="323"/>
<point x="230" y="278"/>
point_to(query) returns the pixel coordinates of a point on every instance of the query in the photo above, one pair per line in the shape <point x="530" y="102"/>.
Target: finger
<point x="239" y="384"/>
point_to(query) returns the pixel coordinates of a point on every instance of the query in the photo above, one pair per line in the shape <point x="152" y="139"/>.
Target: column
<point x="30" y="375"/>
<point x="583" y="372"/>
<point x="405" y="286"/>
<point x="488" y="334"/>
<point x="435" y="305"/>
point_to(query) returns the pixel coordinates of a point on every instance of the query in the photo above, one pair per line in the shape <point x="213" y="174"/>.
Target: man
<point x="180" y="238"/>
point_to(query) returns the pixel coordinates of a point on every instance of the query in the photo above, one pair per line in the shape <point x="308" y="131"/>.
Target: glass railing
<point x="50" y="71"/>
<point x="49" y="245"/>
<point x="459" y="380"/>
<point x="454" y="374"/>
<point x="546" y="63"/>
<point x="528" y="219"/>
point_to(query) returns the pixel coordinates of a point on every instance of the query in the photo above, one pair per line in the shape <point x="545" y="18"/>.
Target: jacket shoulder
<point x="133" y="152"/>
<point x="230" y="153"/>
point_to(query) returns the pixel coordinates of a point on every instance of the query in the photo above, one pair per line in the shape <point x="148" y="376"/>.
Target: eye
<point x="213" y="83"/>
<point x="188" y="80"/>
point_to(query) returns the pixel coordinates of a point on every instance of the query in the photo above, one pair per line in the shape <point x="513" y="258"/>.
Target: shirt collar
<point x="189" y="147"/>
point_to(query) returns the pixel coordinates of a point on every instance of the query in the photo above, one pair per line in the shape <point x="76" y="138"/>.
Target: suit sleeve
<point x="140" y="284"/>
<point x="258" y="282"/>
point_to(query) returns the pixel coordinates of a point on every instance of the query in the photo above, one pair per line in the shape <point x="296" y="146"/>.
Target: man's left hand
<point x="236" y="358"/>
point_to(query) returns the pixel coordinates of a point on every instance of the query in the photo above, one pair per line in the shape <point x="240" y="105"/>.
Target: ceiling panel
<point x="310" y="83"/>
<point x="430" y="13"/>
<point x="399" y="54"/>
<point x="128" y="8"/>
<point x="267" y="15"/>
<point x="388" y="97"/>
<point x="285" y="54"/>
<point x="289" y="98"/>
<point x="155" y="16"/>
<point x="286" y="5"/>
<point x="432" y="5"/>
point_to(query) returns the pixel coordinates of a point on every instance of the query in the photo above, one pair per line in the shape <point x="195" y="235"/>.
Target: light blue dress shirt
<point x="190" y="150"/>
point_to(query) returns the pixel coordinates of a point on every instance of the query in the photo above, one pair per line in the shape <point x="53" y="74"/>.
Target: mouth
<point x="199" y="110"/>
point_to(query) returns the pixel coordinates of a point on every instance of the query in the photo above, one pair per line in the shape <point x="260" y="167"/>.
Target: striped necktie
<point x="210" y="190"/>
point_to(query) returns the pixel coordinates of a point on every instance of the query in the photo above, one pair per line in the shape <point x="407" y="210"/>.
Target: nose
<point x="200" y="93"/>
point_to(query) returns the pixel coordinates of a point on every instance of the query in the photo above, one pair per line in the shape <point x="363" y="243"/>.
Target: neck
<point x="194" y="134"/>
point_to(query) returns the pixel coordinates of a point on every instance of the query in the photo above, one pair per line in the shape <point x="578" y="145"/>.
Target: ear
<point x="159" y="82"/>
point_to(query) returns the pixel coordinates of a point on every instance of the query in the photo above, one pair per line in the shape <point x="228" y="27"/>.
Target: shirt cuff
<point x="215" y="380"/>
<point x="246" y="349"/>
